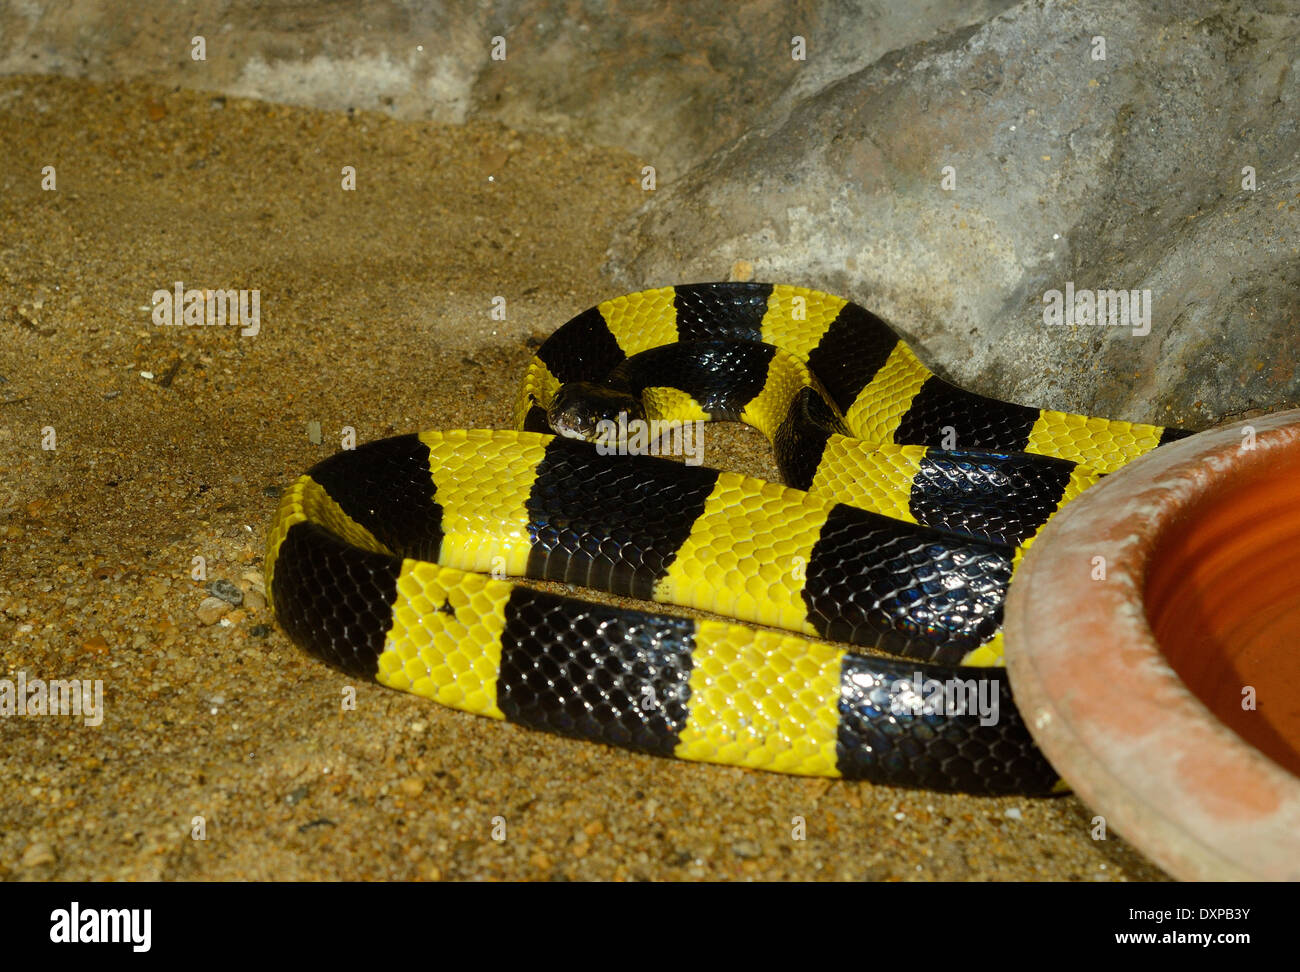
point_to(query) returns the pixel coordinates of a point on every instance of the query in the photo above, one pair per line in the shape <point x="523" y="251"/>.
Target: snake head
<point x="580" y="409"/>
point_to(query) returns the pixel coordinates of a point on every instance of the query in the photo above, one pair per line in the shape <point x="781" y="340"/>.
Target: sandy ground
<point x="171" y="443"/>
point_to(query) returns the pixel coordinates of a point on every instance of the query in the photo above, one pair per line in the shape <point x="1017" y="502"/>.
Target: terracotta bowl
<point x="1144" y="623"/>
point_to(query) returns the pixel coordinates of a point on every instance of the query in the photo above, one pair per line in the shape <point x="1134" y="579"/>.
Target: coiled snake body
<point x="389" y="561"/>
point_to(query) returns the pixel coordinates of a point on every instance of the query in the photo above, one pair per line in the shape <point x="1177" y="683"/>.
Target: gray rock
<point x="227" y="590"/>
<point x="1116" y="173"/>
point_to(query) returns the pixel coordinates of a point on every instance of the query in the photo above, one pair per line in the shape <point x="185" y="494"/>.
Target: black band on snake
<point x="876" y="577"/>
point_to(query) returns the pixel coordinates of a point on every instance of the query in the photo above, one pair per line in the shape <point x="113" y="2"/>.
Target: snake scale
<point x="884" y="560"/>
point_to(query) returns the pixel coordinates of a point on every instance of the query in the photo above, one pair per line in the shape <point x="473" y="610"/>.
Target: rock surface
<point x="1122" y="173"/>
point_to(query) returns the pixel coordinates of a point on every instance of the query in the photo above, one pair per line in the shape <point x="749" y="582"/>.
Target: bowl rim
<point x="1155" y="762"/>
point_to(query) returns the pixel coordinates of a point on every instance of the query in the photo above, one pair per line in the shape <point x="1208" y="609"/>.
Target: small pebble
<point x="412" y="786"/>
<point x="227" y="591"/>
<point x="742" y="270"/>
<point x="254" y="601"/>
<point x="211" y="609"/>
<point x="252" y="580"/>
<point x="38" y="853"/>
<point x="746" y="849"/>
<point x="1014" y="813"/>
<point x="258" y="631"/>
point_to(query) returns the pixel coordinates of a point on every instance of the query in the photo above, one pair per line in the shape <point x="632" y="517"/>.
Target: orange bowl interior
<point x="1223" y="601"/>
